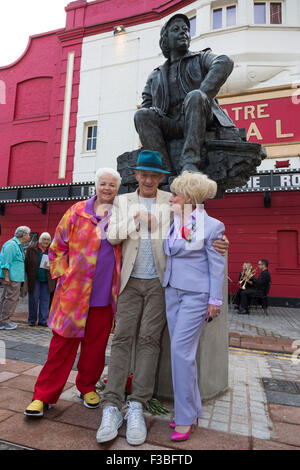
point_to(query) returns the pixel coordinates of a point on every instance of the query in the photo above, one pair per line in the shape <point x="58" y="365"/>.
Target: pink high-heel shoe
<point x="179" y="436"/>
<point x="173" y="424"/>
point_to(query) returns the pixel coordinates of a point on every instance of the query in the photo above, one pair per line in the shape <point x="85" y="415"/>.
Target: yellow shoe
<point x="90" y="400"/>
<point x="36" y="408"/>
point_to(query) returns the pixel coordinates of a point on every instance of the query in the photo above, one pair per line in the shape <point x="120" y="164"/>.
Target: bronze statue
<point x="181" y="119"/>
<point x="179" y="98"/>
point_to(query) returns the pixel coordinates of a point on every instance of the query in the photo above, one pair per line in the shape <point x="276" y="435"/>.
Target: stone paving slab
<point x="280" y="386"/>
<point x="260" y="444"/>
<point x="263" y="343"/>
<point x="285" y="414"/>
<point x="9" y="446"/>
<point x="282" y="398"/>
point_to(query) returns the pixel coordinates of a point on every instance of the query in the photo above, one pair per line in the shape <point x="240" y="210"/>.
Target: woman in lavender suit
<point x="193" y="281"/>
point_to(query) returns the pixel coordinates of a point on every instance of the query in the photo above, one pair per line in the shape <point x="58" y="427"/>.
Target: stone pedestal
<point x="228" y="162"/>
<point x="212" y="357"/>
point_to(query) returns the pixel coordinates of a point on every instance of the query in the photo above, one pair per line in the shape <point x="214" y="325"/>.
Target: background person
<point x="39" y="281"/>
<point x="260" y="286"/>
<point x="194" y="289"/>
<point x="245" y="276"/>
<point x="12" y="274"/>
<point x="88" y="272"/>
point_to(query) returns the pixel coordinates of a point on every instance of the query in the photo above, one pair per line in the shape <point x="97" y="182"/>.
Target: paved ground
<point x="260" y="410"/>
<point x="280" y="322"/>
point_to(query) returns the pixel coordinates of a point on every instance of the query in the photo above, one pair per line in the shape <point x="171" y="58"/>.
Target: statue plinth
<point x="226" y="158"/>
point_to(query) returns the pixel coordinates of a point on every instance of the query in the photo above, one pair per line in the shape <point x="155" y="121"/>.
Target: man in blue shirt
<point x="12" y="274"/>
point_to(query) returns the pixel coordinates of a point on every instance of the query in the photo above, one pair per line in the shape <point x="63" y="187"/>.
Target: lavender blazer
<point x="196" y="266"/>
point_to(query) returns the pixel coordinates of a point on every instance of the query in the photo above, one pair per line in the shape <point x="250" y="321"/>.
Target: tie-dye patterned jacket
<point x="73" y="256"/>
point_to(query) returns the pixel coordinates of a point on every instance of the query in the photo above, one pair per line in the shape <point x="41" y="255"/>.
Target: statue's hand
<point x="158" y="111"/>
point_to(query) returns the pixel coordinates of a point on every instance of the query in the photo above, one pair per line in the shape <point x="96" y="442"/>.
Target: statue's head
<point x="175" y="34"/>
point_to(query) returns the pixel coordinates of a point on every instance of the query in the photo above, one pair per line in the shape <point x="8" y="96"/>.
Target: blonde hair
<point x="248" y="265"/>
<point x="195" y="186"/>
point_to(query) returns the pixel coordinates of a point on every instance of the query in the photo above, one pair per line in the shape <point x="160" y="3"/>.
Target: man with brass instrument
<point x="245" y="276"/>
<point x="261" y="286"/>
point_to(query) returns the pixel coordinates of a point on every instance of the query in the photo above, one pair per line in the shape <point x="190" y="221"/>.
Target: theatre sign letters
<point x="270" y="118"/>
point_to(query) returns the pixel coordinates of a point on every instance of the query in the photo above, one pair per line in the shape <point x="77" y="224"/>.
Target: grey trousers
<point x="140" y="317"/>
<point x="8" y="300"/>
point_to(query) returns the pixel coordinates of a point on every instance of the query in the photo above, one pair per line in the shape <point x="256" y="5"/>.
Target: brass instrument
<point x="246" y="276"/>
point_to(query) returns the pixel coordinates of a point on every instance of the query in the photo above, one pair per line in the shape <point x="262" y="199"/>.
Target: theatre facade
<point x="67" y="107"/>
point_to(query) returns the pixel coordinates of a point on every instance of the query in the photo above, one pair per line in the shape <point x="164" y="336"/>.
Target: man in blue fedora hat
<point x="140" y="221"/>
<point x="149" y="160"/>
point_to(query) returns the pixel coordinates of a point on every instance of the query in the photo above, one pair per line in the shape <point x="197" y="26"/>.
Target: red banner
<point x="268" y="121"/>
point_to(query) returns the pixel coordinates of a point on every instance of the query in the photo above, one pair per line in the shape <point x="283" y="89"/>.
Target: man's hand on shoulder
<point x="146" y="218"/>
<point x="221" y="246"/>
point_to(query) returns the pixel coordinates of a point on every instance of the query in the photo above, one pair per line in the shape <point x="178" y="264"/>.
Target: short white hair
<point x="108" y="171"/>
<point x="44" y="234"/>
<point x="20" y="231"/>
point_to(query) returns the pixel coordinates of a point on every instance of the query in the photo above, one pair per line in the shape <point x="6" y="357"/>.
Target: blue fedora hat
<point x="149" y="160"/>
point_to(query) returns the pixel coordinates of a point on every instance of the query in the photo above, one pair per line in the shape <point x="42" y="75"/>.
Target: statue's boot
<point x="152" y="129"/>
<point x="197" y="116"/>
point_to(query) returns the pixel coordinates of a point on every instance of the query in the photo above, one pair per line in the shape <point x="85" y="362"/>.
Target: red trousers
<point x="62" y="355"/>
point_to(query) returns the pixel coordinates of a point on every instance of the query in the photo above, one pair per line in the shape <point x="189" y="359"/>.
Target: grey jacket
<point x="201" y="70"/>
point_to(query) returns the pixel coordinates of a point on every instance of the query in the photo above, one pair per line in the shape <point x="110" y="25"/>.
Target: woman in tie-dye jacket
<point x="87" y="268"/>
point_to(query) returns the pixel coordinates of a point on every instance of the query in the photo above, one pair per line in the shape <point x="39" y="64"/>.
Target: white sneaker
<point x="8" y="326"/>
<point x="136" y="431"/>
<point x="112" y="420"/>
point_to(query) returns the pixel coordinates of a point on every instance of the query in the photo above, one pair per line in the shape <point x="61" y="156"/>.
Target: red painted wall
<point x="30" y="215"/>
<point x="28" y="120"/>
<point x="257" y="232"/>
<point x="32" y="115"/>
<point x="103" y="15"/>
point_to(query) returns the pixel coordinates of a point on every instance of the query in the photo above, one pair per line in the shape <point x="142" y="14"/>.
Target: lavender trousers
<point x="186" y="313"/>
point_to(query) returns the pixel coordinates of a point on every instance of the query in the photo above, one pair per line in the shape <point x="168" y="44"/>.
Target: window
<point x="217" y="18"/>
<point x="90" y="140"/>
<point x="224" y="17"/>
<point x="193" y="26"/>
<point x="231" y="16"/>
<point x="268" y="13"/>
<point x="275" y="13"/>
